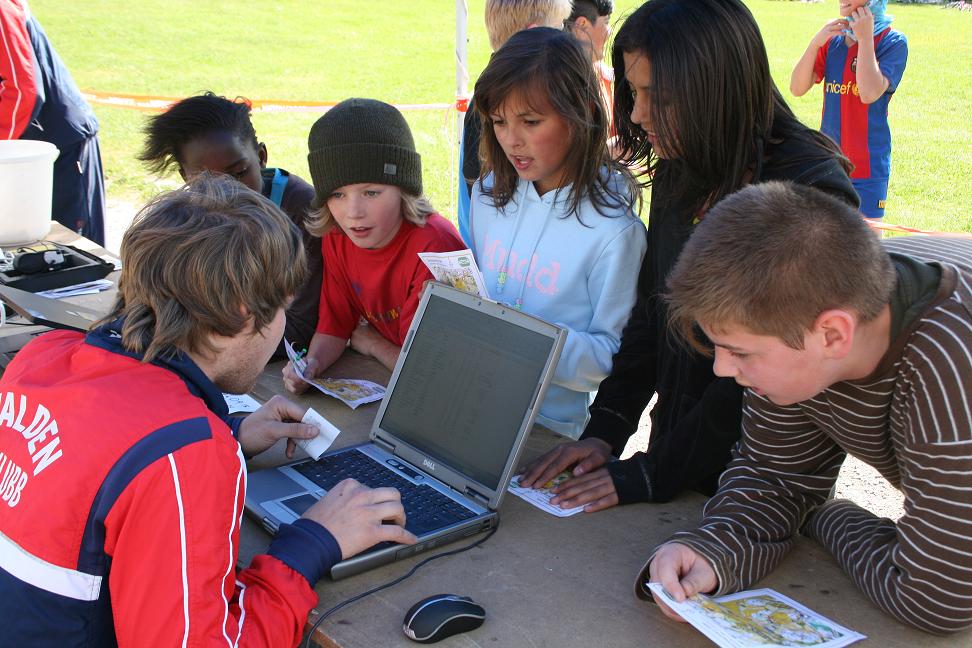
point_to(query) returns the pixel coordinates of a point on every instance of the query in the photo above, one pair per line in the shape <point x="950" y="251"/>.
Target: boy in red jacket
<point x="122" y="483"/>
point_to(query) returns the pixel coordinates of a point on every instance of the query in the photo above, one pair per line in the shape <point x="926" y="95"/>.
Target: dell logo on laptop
<point x="428" y="464"/>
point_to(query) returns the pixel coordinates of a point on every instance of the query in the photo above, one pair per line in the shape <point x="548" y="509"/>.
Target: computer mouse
<point x="443" y="615"/>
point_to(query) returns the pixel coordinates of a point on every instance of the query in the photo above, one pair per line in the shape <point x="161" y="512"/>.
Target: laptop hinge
<point x="384" y="445"/>
<point x="476" y="495"/>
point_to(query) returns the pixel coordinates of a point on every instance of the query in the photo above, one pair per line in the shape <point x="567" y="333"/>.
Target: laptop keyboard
<point x="426" y="509"/>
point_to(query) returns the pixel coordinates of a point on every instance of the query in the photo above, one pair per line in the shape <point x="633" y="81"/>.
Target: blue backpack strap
<point x="277" y="186"/>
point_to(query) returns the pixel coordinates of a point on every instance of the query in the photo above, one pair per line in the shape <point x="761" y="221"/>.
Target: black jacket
<point x="696" y="421"/>
<point x="302" y="313"/>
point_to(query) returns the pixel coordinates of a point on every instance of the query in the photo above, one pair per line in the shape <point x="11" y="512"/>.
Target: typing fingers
<point x="346" y="487"/>
<point x="387" y="512"/>
<point x="384" y="494"/>
<point x="395" y="533"/>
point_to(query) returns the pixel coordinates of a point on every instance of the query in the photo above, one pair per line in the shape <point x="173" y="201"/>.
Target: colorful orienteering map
<point x="763" y="618"/>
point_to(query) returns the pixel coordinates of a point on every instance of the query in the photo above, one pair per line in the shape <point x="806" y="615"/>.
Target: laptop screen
<point x="464" y="388"/>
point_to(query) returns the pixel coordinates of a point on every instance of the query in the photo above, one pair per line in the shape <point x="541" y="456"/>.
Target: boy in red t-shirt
<point x="368" y="181"/>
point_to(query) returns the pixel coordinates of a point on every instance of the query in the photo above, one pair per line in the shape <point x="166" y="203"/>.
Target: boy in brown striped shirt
<point x="846" y="345"/>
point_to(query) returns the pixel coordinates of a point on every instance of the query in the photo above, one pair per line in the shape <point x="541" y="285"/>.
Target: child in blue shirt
<point x="552" y="220"/>
<point x="860" y="60"/>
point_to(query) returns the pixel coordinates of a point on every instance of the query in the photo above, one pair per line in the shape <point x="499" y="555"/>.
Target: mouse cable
<point x="396" y="581"/>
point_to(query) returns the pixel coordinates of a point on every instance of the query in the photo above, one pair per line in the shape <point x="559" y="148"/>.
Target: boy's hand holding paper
<point x="457" y="269"/>
<point x="325" y="437"/>
<point x="350" y="391"/>
<point x="274" y="420"/>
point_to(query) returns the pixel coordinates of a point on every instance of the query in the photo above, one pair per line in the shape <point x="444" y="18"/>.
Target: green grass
<point x="403" y="52"/>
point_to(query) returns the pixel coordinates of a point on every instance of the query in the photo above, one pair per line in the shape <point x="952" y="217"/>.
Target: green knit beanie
<point x="362" y="140"/>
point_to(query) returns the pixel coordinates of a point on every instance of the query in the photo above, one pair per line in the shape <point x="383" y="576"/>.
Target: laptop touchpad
<point x="273" y="484"/>
<point x="300" y="503"/>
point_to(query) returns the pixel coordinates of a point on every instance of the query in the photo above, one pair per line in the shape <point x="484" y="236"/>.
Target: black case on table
<point x="79" y="266"/>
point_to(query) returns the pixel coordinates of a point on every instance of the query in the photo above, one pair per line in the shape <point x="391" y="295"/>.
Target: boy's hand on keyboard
<point x="354" y="514"/>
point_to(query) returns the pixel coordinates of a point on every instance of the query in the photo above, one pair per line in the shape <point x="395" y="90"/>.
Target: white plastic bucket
<point x="26" y="187"/>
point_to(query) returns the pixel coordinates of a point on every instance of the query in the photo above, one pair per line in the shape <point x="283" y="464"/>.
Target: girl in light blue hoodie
<point x="552" y="219"/>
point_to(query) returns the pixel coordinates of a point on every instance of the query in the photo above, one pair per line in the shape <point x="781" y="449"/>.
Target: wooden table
<point x="544" y="581"/>
<point x="548" y="581"/>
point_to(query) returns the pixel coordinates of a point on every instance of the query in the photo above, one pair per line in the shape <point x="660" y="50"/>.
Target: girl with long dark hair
<point x="697" y="109"/>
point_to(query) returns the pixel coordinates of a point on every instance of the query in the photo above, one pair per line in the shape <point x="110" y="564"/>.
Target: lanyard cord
<point x="503" y="275"/>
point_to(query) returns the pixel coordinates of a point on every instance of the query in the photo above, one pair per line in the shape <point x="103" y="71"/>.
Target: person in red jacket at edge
<point x="122" y="480"/>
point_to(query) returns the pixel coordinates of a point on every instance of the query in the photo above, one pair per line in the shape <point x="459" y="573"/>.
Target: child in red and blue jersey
<point x="861" y="61"/>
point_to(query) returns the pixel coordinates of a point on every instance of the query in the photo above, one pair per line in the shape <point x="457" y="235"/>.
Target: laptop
<point x="457" y="412"/>
<point x="49" y="312"/>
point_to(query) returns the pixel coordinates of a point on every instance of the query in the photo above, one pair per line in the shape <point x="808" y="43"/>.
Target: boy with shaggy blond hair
<point x="506" y="17"/>
<point x="503" y="19"/>
<point x="846" y="344"/>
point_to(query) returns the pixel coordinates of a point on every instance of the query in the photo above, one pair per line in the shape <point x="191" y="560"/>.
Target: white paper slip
<point x="325" y="437"/>
<point x="112" y="259"/>
<point x="350" y="391"/>
<point x="761" y="618"/>
<point x="540" y="497"/>
<point x="238" y="403"/>
<point x="87" y="288"/>
<point x="457" y="269"/>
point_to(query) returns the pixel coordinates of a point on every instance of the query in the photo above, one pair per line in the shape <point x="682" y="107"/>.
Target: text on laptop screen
<point x="463" y="391"/>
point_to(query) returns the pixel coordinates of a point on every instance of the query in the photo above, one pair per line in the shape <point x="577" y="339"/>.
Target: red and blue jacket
<point x="861" y="130"/>
<point x="121" y="499"/>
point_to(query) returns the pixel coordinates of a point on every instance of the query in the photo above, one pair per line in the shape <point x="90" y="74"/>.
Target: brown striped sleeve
<point x="920" y="570"/>
<point x="784" y="466"/>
